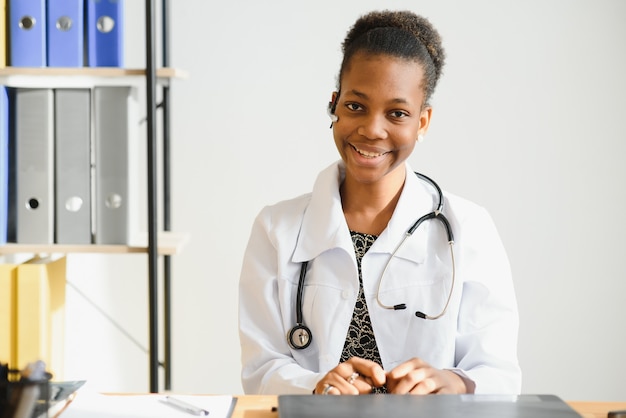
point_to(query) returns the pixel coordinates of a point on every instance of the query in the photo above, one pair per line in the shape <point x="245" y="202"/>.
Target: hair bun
<point x="416" y="25"/>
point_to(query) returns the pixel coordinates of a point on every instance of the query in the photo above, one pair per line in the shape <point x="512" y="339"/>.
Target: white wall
<point x="528" y="121"/>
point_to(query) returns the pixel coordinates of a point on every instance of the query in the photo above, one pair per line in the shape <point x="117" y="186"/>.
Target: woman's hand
<point x="352" y="377"/>
<point x="419" y="378"/>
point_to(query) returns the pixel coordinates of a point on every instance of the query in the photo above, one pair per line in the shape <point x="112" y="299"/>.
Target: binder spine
<point x="27" y="31"/>
<point x="72" y="166"/>
<point x="4" y="164"/>
<point x="7" y="314"/>
<point x="3" y="33"/>
<point x="105" y="33"/>
<point x="65" y="33"/>
<point x="41" y="313"/>
<point x="116" y="200"/>
<point x="34" y="162"/>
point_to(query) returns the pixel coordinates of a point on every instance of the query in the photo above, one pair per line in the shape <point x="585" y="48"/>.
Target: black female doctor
<point x="323" y="272"/>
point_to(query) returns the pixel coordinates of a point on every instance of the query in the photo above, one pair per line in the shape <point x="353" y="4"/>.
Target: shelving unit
<point x="157" y="243"/>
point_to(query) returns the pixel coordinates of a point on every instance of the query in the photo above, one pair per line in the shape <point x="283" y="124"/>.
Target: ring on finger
<point x="352" y="378"/>
<point x="327" y="388"/>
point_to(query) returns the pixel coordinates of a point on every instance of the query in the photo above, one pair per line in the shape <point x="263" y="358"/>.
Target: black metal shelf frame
<point x="153" y="256"/>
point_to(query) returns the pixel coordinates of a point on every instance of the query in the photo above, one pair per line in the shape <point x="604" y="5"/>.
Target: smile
<point x="368" y="154"/>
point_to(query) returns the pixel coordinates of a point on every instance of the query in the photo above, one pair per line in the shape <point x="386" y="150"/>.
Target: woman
<point x="341" y="333"/>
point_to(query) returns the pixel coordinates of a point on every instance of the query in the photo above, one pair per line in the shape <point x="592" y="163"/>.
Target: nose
<point x="373" y="127"/>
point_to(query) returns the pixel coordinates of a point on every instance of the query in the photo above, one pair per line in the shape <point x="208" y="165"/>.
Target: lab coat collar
<point x="324" y="226"/>
<point x="415" y="201"/>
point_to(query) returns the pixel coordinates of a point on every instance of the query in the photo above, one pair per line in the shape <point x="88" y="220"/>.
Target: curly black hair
<point x="401" y="34"/>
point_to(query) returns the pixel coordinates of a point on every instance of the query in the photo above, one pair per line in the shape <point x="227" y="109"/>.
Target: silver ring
<point x="327" y="388"/>
<point x="352" y="378"/>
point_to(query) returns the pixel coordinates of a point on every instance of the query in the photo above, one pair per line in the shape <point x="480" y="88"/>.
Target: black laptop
<point x="428" y="406"/>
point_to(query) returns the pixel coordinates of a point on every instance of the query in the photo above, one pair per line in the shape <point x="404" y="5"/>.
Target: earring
<point x="420" y="138"/>
<point x="331" y="112"/>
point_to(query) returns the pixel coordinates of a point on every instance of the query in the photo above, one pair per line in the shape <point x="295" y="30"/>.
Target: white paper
<point x="92" y="405"/>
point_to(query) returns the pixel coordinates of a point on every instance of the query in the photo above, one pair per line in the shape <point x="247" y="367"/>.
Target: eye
<point x="399" y="114"/>
<point x="355" y="107"/>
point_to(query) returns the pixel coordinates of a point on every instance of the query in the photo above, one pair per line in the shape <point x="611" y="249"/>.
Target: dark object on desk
<point x="22" y="396"/>
<point x="51" y="397"/>
<point x="428" y="406"/>
<point x="617" y="414"/>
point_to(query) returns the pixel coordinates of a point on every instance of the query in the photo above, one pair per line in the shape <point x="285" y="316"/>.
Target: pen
<point x="184" y="406"/>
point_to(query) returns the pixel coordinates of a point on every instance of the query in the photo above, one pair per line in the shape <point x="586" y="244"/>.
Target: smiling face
<point x="381" y="114"/>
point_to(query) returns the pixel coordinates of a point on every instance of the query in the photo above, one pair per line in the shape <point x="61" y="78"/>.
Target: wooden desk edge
<point x="596" y="409"/>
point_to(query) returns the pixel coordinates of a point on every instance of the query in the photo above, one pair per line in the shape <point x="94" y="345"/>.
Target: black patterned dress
<point x="360" y="339"/>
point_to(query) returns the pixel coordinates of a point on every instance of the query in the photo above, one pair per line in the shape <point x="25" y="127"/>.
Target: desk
<point x="596" y="409"/>
<point x="260" y="406"/>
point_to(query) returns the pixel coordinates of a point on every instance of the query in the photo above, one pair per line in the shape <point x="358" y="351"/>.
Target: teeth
<point x="368" y="154"/>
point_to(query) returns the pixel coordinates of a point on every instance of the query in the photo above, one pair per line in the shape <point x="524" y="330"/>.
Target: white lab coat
<point x="477" y="337"/>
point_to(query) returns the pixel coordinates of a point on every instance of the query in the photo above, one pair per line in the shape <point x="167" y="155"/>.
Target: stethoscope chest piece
<point x="299" y="337"/>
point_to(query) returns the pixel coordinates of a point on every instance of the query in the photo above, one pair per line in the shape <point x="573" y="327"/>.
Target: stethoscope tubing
<point x="436" y="214"/>
<point x="300" y="293"/>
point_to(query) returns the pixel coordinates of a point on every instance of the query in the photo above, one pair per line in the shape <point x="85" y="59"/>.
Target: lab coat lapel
<point x="323" y="225"/>
<point x="415" y="201"/>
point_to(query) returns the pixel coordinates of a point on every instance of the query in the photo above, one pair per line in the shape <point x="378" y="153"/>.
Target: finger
<point x="339" y="381"/>
<point x="345" y="388"/>
<point x="425" y="387"/>
<point x="351" y="385"/>
<point x="354" y="376"/>
<point x="445" y="390"/>
<point x="328" y="384"/>
<point x="320" y="388"/>
<point x="410" y="382"/>
<point x="404" y="377"/>
<point x="363" y="384"/>
<point x="439" y="381"/>
<point x="407" y="367"/>
<point x="367" y="369"/>
<point x="329" y="389"/>
<point x="450" y="383"/>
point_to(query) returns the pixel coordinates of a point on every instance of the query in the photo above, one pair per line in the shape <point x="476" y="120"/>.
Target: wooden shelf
<point x="57" y="77"/>
<point x="91" y="71"/>
<point x="168" y="244"/>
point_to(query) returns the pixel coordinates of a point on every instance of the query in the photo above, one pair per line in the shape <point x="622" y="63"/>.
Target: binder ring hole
<point x="64" y="23"/>
<point x="27" y="22"/>
<point x="105" y="24"/>
<point x="32" y="203"/>
<point x="113" y="201"/>
<point x="73" y="204"/>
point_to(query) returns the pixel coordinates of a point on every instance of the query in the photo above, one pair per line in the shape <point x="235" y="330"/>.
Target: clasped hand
<point x="359" y="376"/>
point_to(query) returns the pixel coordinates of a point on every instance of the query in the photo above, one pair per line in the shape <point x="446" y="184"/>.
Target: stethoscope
<point x="300" y="337"/>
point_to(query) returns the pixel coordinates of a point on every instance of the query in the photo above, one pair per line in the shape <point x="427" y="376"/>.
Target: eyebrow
<point x="366" y="97"/>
